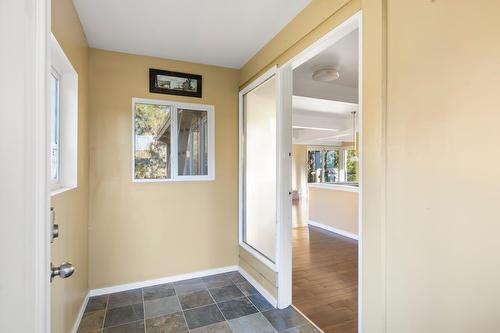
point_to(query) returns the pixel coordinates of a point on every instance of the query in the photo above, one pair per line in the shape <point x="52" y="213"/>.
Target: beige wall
<point x="299" y="169"/>
<point x="72" y="206"/>
<point x="443" y="263"/>
<point x="335" y="208"/>
<point x="141" y="231"/>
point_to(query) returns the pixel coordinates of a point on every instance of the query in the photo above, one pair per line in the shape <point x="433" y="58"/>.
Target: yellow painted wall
<point x="299" y="169"/>
<point x="141" y="231"/>
<point x="443" y="263"/>
<point x="334" y="208"/>
<point x="72" y="206"/>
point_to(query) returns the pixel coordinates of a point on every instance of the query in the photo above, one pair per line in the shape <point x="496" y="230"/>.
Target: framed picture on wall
<point x="174" y="83"/>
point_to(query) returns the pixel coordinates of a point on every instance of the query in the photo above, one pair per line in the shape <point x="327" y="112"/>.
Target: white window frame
<point x="174" y="107"/>
<point x="68" y="119"/>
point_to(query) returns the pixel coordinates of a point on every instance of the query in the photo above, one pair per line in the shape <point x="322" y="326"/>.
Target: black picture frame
<point x="172" y="87"/>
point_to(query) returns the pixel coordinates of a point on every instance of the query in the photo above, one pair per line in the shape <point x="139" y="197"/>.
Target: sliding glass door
<point x="258" y="168"/>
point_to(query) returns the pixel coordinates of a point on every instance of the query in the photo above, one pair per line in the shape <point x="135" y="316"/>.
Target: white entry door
<point x="24" y="195"/>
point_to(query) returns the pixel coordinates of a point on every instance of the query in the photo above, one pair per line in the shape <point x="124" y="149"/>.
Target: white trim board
<point x="333" y="229"/>
<point x="267" y="295"/>
<point x="168" y="279"/>
<point x="80" y="313"/>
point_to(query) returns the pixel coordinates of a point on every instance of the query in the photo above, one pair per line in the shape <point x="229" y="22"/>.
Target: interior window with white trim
<point x="163" y="154"/>
<point x="54" y="127"/>
<point x="63" y="99"/>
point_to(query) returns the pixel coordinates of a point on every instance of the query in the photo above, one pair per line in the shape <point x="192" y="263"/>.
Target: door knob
<point x="65" y="270"/>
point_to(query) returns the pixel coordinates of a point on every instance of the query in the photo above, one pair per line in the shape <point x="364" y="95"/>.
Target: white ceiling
<point x="216" y="32"/>
<point x="343" y="55"/>
<point x="322" y="110"/>
<point x="322" y="122"/>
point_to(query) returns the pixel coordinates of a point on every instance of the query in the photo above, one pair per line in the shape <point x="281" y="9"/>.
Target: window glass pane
<point x="350" y="166"/>
<point x="331" y="166"/>
<point x="54" y="128"/>
<point x="192" y="142"/>
<point x="314" y="169"/>
<point x="152" y="141"/>
<point x="259" y="168"/>
<point x="323" y="165"/>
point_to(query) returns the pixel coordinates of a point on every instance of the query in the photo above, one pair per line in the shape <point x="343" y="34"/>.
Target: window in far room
<point x="331" y="164"/>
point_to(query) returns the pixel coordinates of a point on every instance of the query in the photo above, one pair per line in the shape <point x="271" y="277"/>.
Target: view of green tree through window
<point x="152" y="141"/>
<point x="350" y="168"/>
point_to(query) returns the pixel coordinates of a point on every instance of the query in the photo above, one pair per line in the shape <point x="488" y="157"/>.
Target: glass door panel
<point x="260" y="169"/>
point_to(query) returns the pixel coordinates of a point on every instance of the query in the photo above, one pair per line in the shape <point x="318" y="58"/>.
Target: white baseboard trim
<point x="267" y="295"/>
<point x="334" y="230"/>
<point x="168" y="279"/>
<point x="80" y="314"/>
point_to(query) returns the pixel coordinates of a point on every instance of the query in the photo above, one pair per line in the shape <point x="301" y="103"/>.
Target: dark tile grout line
<point x="143" y="310"/>
<point x="105" y="312"/>
<point x="182" y="311"/>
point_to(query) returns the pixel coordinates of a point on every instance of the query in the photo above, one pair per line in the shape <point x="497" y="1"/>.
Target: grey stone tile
<point x="217" y="281"/>
<point x="247" y="288"/>
<point x="161" y="306"/>
<point x="260" y="302"/>
<point x="236" y="277"/>
<point x="134" y="327"/>
<point x="124" y="315"/>
<point x="254" y="323"/>
<point x="221" y="327"/>
<point x="226" y="293"/>
<point x="203" y="316"/>
<point x="123" y="298"/>
<point x="282" y="319"/>
<point x="97" y="303"/>
<point x="190" y="288"/>
<point x="194" y="300"/>
<point x="172" y="323"/>
<point x="236" y="308"/>
<point x="159" y="291"/>
<point x="189" y="281"/>
<point x="91" y="321"/>
<point x="307" y="328"/>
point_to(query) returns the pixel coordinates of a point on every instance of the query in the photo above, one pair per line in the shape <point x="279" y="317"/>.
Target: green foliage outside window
<point x="350" y="166"/>
<point x="151" y="154"/>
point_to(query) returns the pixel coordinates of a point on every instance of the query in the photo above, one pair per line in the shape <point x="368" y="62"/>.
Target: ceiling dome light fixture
<point x="326" y="74"/>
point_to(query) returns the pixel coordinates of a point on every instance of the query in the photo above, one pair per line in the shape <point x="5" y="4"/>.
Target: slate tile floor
<point x="221" y="303"/>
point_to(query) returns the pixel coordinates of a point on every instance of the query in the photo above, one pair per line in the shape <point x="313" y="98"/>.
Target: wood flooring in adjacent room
<point x="325" y="279"/>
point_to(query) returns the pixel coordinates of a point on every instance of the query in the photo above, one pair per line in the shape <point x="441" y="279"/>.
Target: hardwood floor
<point x="325" y="279"/>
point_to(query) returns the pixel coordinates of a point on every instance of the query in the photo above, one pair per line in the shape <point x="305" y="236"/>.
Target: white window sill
<point x="332" y="186"/>
<point x="60" y="189"/>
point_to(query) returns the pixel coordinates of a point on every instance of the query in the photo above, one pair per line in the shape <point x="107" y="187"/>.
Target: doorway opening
<point x="301" y="180"/>
<point x="326" y="179"/>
